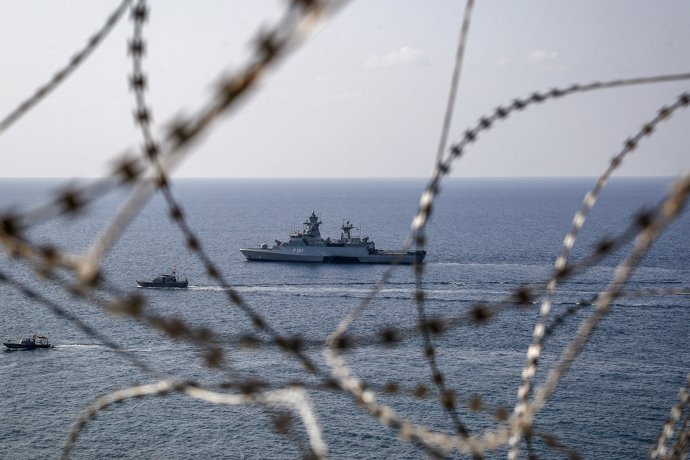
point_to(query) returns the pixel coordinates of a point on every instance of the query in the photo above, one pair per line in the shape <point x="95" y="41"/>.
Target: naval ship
<point x="308" y="246"/>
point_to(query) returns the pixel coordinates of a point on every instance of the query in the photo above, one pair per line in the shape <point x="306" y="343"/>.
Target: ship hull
<point x="18" y="346"/>
<point x="28" y="343"/>
<point x="151" y="284"/>
<point x="324" y="255"/>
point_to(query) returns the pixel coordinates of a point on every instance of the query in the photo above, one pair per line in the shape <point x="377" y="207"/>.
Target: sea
<point x="486" y="238"/>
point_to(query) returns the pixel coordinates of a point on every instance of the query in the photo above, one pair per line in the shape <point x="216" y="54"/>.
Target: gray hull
<point x="327" y="254"/>
<point x="151" y="284"/>
<point x="17" y="346"/>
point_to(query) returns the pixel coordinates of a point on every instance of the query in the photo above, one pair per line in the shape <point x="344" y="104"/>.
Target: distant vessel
<point x="165" y="281"/>
<point x="308" y="246"/>
<point x="28" y="343"/>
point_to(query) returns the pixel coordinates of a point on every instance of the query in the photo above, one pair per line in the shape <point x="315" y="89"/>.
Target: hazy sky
<point x="363" y="97"/>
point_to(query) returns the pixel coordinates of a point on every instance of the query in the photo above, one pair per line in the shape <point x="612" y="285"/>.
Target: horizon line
<point x="348" y="177"/>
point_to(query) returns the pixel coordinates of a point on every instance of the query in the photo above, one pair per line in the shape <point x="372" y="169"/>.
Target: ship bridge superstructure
<point x="310" y="233"/>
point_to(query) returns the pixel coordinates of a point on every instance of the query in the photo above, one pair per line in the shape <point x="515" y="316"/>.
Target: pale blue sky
<point x="363" y="97"/>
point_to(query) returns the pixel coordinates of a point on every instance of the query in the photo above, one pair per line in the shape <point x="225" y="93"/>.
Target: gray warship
<point x="308" y="246"/>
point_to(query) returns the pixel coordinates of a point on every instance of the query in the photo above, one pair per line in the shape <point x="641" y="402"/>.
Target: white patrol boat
<point x="308" y="246"/>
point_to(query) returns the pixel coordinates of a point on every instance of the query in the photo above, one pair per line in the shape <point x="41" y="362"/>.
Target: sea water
<point x="485" y="239"/>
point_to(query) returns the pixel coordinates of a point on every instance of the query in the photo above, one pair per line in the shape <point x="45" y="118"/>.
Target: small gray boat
<point x="308" y="246"/>
<point x="165" y="281"/>
<point x="28" y="343"/>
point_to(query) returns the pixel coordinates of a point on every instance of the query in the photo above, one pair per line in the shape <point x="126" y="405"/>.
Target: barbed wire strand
<point x="294" y="397"/>
<point x="387" y="417"/>
<point x="671" y="209"/>
<point x="419" y="224"/>
<point x="680" y="446"/>
<point x="455" y="80"/>
<point x="447" y="399"/>
<point x="660" y="450"/>
<point x="183" y="131"/>
<point x="534" y="350"/>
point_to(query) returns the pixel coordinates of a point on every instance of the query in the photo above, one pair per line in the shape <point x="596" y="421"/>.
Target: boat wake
<point x="80" y="346"/>
<point x="440" y="292"/>
<point x="207" y="288"/>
